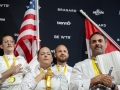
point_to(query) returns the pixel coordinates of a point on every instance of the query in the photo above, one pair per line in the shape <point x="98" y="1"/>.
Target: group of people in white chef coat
<point x="83" y="76"/>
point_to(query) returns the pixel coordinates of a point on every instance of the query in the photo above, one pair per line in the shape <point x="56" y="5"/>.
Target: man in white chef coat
<point x="86" y="74"/>
<point x="11" y="67"/>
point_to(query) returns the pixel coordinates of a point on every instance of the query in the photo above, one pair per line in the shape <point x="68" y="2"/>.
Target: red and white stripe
<point x="26" y="43"/>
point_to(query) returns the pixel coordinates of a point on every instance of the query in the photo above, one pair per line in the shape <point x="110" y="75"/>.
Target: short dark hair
<point x="4" y="35"/>
<point x="58" y="46"/>
<point x="99" y="33"/>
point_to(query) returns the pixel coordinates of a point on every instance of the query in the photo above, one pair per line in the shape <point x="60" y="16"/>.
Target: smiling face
<point x="97" y="45"/>
<point x="61" y="54"/>
<point x="8" y="44"/>
<point x="45" y="57"/>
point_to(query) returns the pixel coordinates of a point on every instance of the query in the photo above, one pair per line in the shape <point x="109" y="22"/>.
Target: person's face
<point x="97" y="45"/>
<point x="45" y="56"/>
<point x="61" y="53"/>
<point x="8" y="44"/>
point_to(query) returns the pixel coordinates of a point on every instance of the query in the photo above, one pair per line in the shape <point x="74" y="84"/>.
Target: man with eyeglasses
<point x="11" y="67"/>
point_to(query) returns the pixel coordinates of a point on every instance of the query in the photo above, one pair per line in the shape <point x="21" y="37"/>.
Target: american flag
<point x="26" y="45"/>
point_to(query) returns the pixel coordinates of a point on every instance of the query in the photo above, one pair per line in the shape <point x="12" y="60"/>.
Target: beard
<point x="62" y="60"/>
<point x="98" y="50"/>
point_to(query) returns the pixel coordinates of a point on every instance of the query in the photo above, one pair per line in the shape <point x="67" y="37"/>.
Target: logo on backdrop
<point x="16" y="34"/>
<point x="66" y="10"/>
<point x="2" y="19"/>
<point x="64" y="23"/>
<point x="52" y="51"/>
<point x="5" y="5"/>
<point x="118" y="39"/>
<point x="102" y="25"/>
<point x="98" y="12"/>
<point x="61" y="37"/>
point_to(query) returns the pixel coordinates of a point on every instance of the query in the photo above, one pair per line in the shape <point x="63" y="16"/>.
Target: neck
<point x="61" y="63"/>
<point x="8" y="53"/>
<point x="93" y="56"/>
<point x="44" y="66"/>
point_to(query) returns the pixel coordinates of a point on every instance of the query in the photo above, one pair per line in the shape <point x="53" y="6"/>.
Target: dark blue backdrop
<point x="61" y="22"/>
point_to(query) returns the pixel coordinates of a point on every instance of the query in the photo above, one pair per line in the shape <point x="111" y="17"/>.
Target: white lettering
<point x="65" y="37"/>
<point x="2" y="19"/>
<point x="102" y="25"/>
<point x="98" y="12"/>
<point x="118" y="39"/>
<point x="66" y="10"/>
<point x="4" y="5"/>
<point x="56" y="36"/>
<point x="64" y="23"/>
<point x="16" y="34"/>
<point x="52" y="51"/>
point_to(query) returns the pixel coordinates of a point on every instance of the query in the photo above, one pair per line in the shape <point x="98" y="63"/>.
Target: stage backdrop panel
<point x="61" y="22"/>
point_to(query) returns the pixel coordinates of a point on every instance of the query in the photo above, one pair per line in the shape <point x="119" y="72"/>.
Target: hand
<point x="107" y="81"/>
<point x="49" y="74"/>
<point x="97" y="80"/>
<point x="104" y="79"/>
<point x="16" y="68"/>
<point x="42" y="75"/>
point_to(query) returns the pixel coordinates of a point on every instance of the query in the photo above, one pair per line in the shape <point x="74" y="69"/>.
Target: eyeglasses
<point x="9" y="41"/>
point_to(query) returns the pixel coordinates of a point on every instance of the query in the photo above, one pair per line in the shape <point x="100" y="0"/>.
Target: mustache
<point x="98" y="46"/>
<point x="62" y="55"/>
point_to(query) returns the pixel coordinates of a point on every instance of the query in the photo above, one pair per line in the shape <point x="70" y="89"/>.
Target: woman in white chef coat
<point x="42" y="77"/>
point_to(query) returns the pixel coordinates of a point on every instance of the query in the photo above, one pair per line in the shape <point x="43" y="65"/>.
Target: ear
<point x="37" y="59"/>
<point x="1" y="47"/>
<point x="68" y="55"/>
<point x="105" y="45"/>
<point x="54" y="55"/>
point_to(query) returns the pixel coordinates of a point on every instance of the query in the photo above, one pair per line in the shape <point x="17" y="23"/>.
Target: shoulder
<point x="21" y="58"/>
<point x="58" y="73"/>
<point x="82" y="62"/>
<point x="1" y="59"/>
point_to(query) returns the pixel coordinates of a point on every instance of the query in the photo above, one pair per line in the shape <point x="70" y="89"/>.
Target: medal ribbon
<point x="8" y="65"/>
<point x="96" y="69"/>
<point x="47" y="78"/>
<point x="58" y="68"/>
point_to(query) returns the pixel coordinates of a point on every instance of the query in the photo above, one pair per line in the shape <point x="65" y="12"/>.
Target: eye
<point x="42" y="54"/>
<point x="100" y="40"/>
<point x="65" y="51"/>
<point x="93" y="41"/>
<point x="49" y="54"/>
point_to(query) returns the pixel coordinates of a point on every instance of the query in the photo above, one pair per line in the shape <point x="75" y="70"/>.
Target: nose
<point x="62" y="52"/>
<point x="9" y="42"/>
<point x="46" y="55"/>
<point x="97" y="42"/>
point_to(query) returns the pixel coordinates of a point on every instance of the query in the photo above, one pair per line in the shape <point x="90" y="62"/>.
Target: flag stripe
<point x="29" y="16"/>
<point x="26" y="45"/>
<point x="27" y="32"/>
<point x="30" y="11"/>
<point x="26" y="27"/>
<point x="29" y="21"/>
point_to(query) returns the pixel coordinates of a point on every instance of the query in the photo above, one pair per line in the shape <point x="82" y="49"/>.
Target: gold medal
<point x="11" y="79"/>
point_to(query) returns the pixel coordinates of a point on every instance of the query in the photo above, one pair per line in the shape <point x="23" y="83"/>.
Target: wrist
<point x="11" y="71"/>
